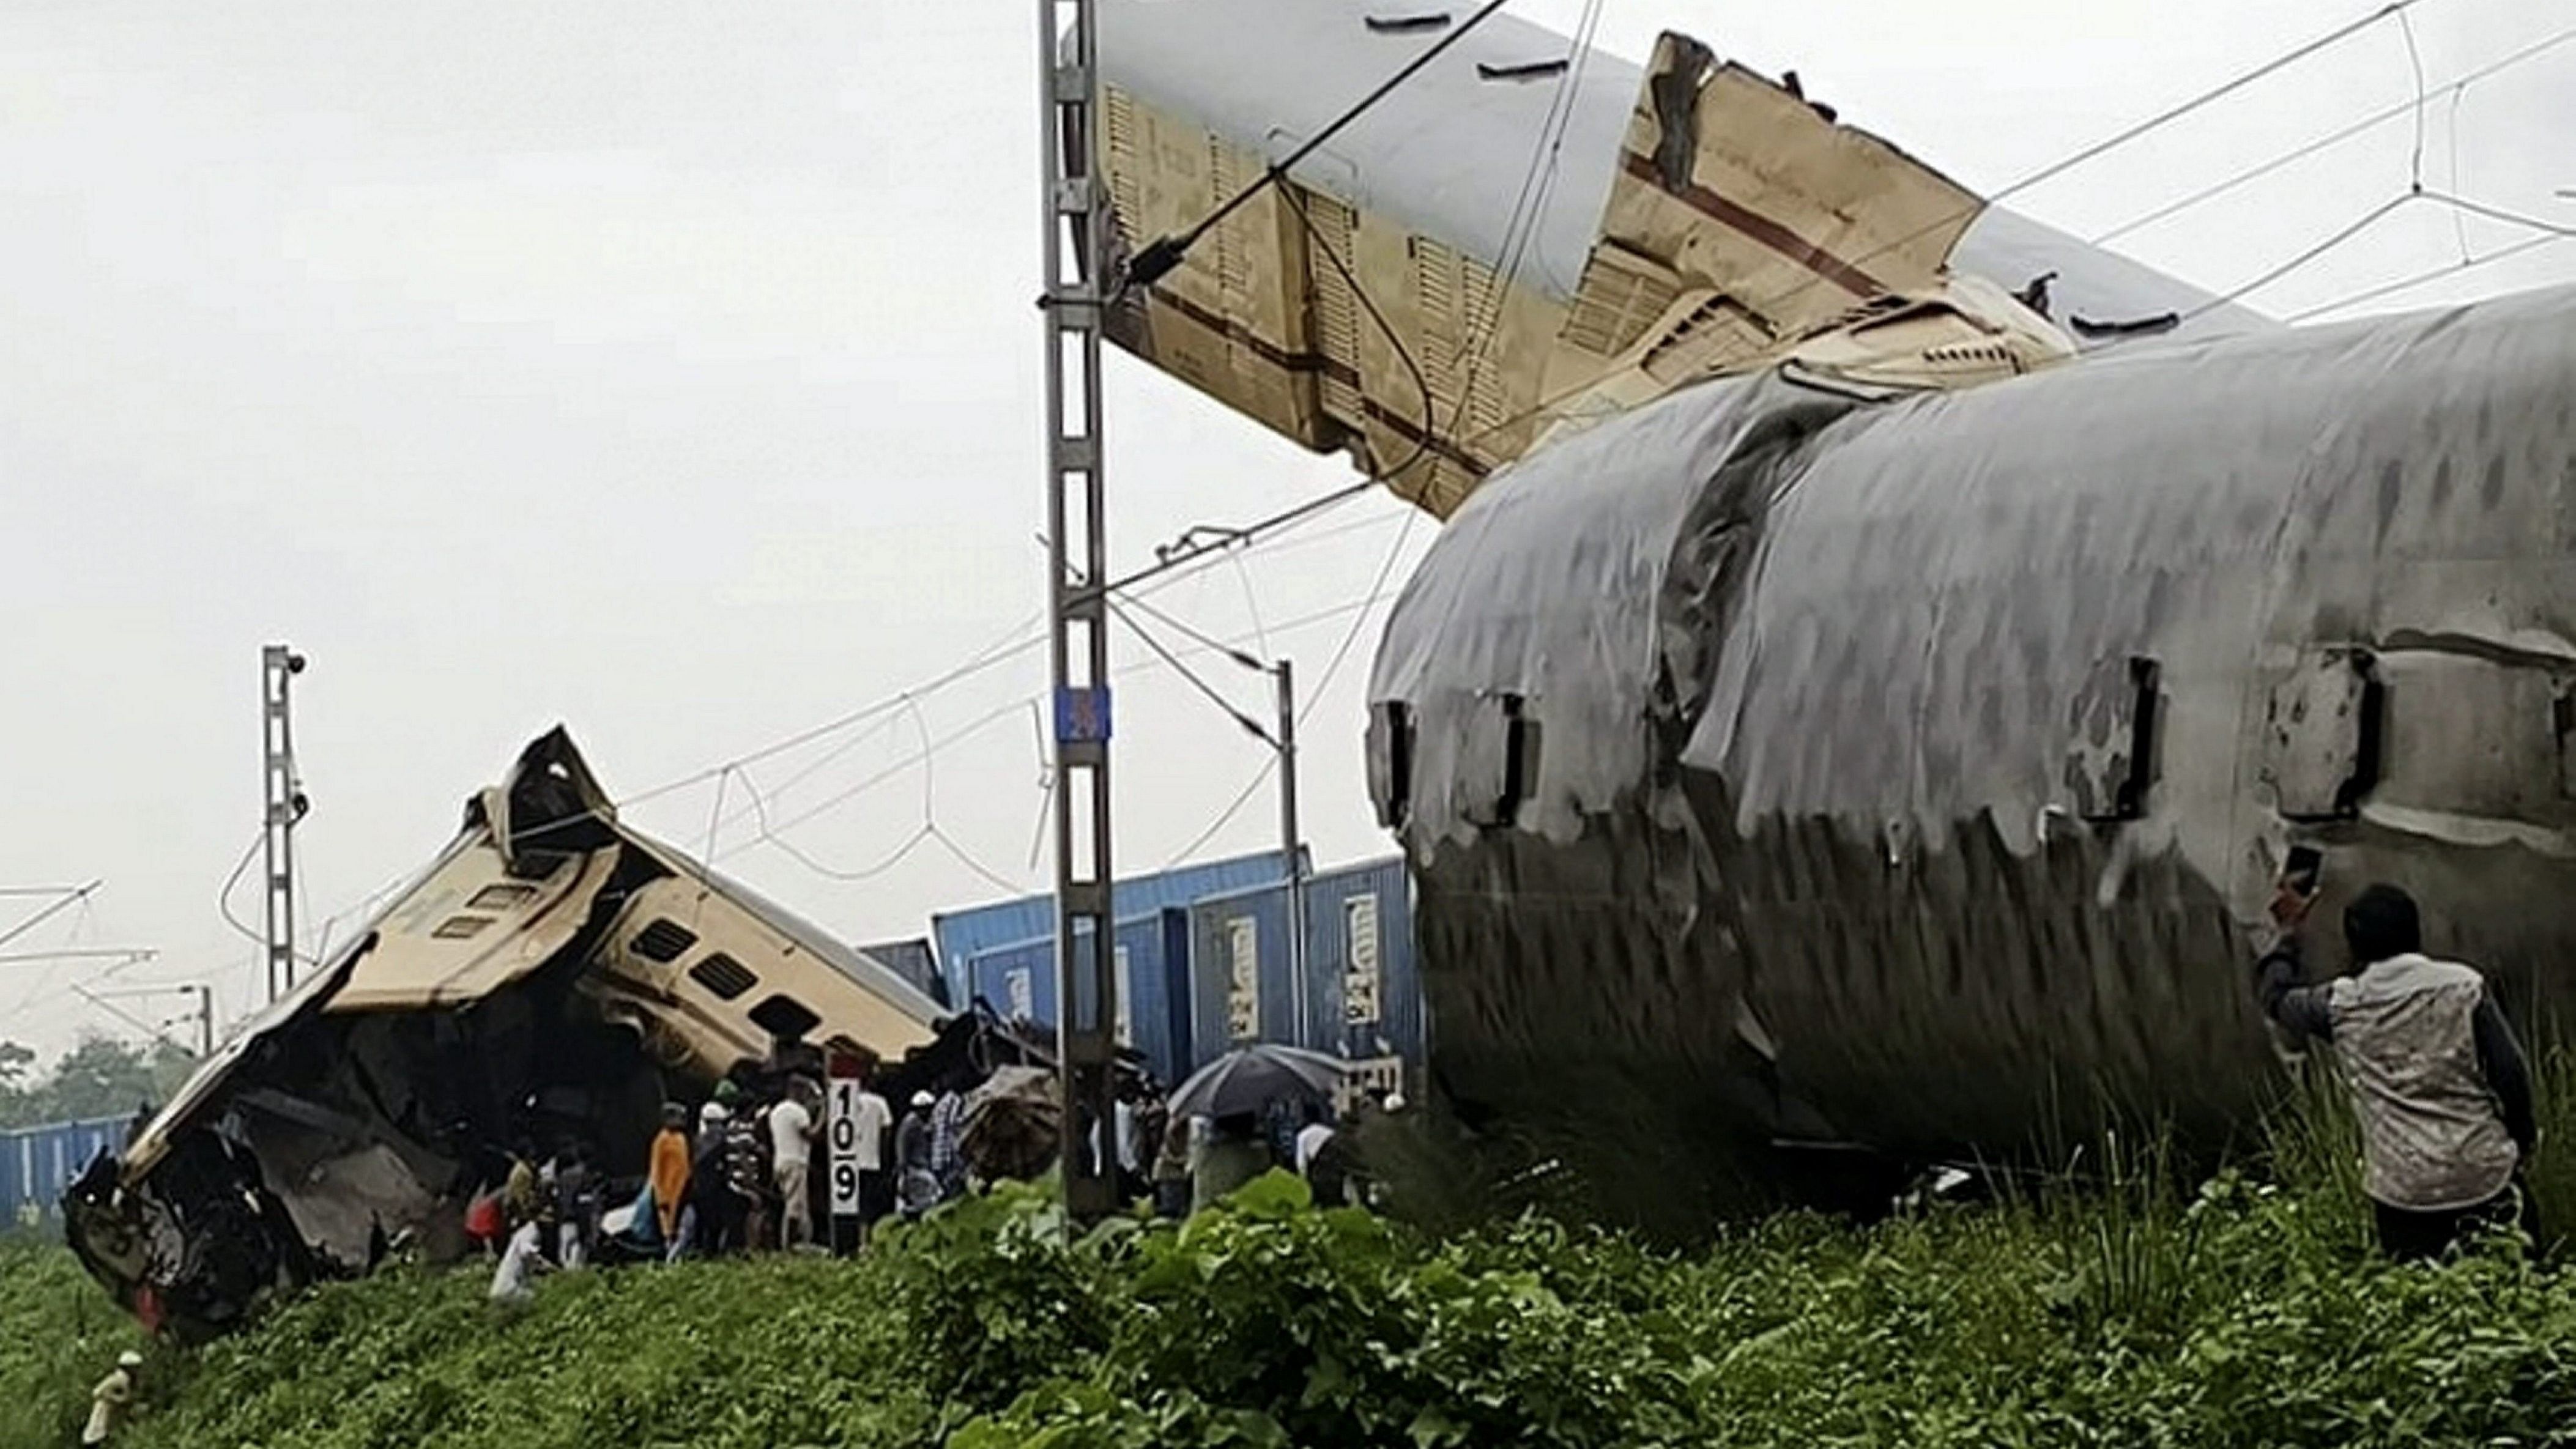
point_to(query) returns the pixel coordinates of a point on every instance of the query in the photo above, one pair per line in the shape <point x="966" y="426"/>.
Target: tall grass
<point x="59" y="1334"/>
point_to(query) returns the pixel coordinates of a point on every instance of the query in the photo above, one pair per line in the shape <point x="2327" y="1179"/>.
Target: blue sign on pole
<point x="1082" y="715"/>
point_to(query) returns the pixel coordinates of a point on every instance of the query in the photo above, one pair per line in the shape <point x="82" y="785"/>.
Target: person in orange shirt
<point x="670" y="1170"/>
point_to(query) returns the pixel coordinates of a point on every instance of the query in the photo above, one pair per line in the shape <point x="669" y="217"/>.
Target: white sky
<point x="671" y="371"/>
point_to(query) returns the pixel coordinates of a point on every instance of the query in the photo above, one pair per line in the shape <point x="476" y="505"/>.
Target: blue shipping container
<point x="964" y="935"/>
<point x="1239" y="988"/>
<point x="1359" y="929"/>
<point x="37" y="1163"/>
<point x="1363" y="995"/>
<point x="1019" y="979"/>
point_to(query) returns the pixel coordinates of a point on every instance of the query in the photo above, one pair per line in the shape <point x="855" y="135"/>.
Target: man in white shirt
<point x="873" y="1119"/>
<point x="791" y="1146"/>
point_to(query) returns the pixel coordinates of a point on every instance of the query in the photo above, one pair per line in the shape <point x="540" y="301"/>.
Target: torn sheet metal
<point x="1602" y="228"/>
<point x="1831" y="696"/>
<point x="553" y="976"/>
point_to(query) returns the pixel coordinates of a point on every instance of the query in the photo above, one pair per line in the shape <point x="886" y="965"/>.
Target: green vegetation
<point x="100" y="1077"/>
<point x="58" y="1335"/>
<point x="2136" y="1309"/>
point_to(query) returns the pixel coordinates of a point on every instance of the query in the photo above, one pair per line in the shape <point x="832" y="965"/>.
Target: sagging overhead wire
<point x="2372" y="217"/>
<point x="2373" y="121"/>
<point x="1314" y="699"/>
<point x="777" y="828"/>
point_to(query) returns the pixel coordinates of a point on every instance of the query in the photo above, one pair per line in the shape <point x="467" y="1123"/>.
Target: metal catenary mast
<point x="1077" y="573"/>
<point x="283" y="804"/>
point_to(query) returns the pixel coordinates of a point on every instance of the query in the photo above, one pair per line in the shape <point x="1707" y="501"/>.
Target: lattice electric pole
<point x="283" y="804"/>
<point x="1077" y="574"/>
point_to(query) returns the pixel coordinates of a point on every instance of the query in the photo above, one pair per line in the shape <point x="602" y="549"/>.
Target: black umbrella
<point x="1251" y="1078"/>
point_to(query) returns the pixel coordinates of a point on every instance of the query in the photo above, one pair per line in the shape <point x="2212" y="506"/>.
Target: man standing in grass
<point x="110" y="1400"/>
<point x="2437" y="1080"/>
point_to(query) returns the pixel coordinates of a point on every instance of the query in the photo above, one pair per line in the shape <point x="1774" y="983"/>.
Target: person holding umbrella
<point x="1234" y="1090"/>
<point x="1235" y="1155"/>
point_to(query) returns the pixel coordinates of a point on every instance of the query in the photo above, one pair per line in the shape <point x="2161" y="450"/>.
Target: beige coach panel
<point x="1740" y="219"/>
<point x="470" y="929"/>
<point x="1762" y="222"/>
<point x="708" y="981"/>
<point x="1260" y="317"/>
<point x="1232" y="321"/>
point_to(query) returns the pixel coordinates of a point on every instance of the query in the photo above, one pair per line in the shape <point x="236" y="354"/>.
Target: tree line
<point x="100" y="1077"/>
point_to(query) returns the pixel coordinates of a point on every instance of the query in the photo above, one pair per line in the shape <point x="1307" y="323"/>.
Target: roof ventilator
<point x="1528" y="70"/>
<point x="1409" y="24"/>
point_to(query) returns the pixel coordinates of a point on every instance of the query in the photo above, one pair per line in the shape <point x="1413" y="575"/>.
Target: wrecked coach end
<point x="552" y="976"/>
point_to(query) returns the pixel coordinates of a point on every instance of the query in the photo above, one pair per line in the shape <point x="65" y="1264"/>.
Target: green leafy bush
<point x="2136" y="1309"/>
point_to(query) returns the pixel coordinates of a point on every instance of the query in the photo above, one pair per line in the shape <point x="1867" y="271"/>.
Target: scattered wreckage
<point x="553" y="976"/>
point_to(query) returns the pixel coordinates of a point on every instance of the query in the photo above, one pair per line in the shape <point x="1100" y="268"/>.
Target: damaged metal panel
<point x="1808" y="667"/>
<point x="2318" y="735"/>
<point x="2112" y="759"/>
<point x="553" y="976"/>
<point x="1550" y="237"/>
<point x="471" y="929"/>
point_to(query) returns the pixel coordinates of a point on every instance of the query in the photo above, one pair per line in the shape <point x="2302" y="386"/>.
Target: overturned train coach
<point x="1784" y="770"/>
<point x="553" y="975"/>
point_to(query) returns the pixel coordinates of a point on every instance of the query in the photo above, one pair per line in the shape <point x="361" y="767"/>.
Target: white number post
<point x="842" y="1129"/>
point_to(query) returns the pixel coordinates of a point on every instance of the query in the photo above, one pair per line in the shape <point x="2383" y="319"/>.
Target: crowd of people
<point x="744" y="1172"/>
<point x="735" y="1175"/>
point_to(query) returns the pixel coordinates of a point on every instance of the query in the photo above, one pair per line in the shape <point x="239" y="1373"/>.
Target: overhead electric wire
<point x="224" y="895"/>
<point x="2369" y="218"/>
<point x="2098" y="149"/>
<point x="1164" y="253"/>
<point x="138" y="1023"/>
<point x="1538" y="181"/>
<point x="2305" y="258"/>
<point x="2331" y="139"/>
<point x="2175" y="113"/>
<point x="48" y="913"/>
<point x="1206" y="690"/>
<point x="2384" y="289"/>
<point x="778" y="828"/>
<point x="1395" y="339"/>
<point x="1201" y="636"/>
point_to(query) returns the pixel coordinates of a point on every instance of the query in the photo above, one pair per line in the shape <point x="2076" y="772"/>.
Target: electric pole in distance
<point x="283" y="803"/>
<point x="1077" y="284"/>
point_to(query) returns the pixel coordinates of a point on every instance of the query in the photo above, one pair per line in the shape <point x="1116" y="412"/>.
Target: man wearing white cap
<point x="108" y="1402"/>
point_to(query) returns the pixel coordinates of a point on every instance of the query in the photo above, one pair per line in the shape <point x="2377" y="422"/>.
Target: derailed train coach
<point x="554" y="975"/>
<point x="1794" y="777"/>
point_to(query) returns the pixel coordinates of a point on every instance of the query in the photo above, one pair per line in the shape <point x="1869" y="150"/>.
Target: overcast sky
<point x="670" y="371"/>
